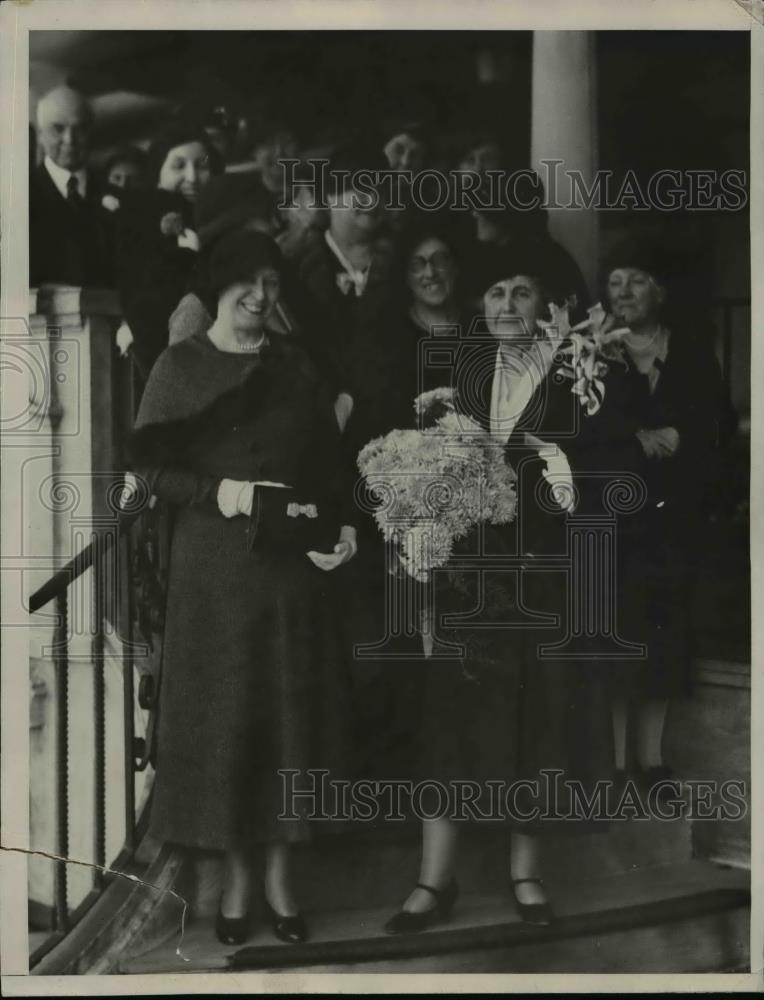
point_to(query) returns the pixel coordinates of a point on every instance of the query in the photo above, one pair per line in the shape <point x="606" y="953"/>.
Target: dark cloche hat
<point x="237" y="256"/>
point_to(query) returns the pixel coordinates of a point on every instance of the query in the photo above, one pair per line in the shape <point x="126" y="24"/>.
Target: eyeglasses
<point x="441" y="260"/>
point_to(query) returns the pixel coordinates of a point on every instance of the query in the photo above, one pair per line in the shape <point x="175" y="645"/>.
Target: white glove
<point x="235" y="497"/>
<point x="129" y="489"/>
<point x="124" y="338"/>
<point x="188" y="240"/>
<point x="559" y="476"/>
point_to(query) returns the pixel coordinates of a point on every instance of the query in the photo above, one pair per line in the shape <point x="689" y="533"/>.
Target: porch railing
<point x="88" y="398"/>
<point x="109" y="548"/>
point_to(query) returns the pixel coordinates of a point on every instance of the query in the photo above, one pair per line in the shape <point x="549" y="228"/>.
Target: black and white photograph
<point x="376" y="439"/>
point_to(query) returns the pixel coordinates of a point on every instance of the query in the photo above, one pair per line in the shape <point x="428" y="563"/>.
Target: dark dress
<point x="510" y="707"/>
<point x="386" y="372"/>
<point x="658" y="545"/>
<point x="251" y="678"/>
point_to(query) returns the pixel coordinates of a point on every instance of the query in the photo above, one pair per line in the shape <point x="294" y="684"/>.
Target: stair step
<point x="695" y="896"/>
<point x="715" y="942"/>
<point x="346" y="871"/>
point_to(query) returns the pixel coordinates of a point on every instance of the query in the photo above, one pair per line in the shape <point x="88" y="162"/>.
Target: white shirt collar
<point x="355" y="277"/>
<point x="60" y="177"/>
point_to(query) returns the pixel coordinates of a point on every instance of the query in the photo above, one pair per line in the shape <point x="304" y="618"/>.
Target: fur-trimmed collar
<point x="187" y="397"/>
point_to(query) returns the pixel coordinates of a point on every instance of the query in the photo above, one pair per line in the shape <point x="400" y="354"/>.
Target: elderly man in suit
<point x="69" y="232"/>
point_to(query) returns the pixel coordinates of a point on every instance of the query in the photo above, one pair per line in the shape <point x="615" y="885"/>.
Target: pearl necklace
<point x="247" y="348"/>
<point x="223" y="342"/>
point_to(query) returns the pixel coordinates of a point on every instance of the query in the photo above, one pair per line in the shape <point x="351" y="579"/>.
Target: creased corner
<point x="106" y="870"/>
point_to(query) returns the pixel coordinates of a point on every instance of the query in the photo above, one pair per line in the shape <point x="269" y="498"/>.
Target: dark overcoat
<point x="521" y="700"/>
<point x="252" y="682"/>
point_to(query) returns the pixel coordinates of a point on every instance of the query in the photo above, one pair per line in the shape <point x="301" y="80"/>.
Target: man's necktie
<point x="73" y="195"/>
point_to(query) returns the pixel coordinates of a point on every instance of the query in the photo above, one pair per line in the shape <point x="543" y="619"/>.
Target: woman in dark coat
<point x="508" y="710"/>
<point x="236" y="430"/>
<point x="157" y="245"/>
<point x="388" y="368"/>
<point x="668" y="397"/>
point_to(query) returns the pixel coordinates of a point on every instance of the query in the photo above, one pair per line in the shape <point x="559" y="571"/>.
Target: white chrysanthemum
<point x="436" y="485"/>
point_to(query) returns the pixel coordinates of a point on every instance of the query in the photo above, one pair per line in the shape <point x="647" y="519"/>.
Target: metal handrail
<point x="85" y="558"/>
<point x="56" y="588"/>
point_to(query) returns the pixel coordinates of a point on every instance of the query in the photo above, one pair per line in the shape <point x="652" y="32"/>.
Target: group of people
<point x="274" y="343"/>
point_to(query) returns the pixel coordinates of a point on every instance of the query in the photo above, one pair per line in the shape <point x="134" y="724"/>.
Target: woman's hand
<point x="188" y="240"/>
<point x="235" y="497"/>
<point x="557" y="472"/>
<point x="660" y="442"/>
<point x="343" y="552"/>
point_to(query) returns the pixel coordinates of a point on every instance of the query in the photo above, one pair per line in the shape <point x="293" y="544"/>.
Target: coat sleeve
<point x="333" y="460"/>
<point x="699" y="409"/>
<point x="159" y="445"/>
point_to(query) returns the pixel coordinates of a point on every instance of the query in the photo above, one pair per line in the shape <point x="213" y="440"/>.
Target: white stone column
<point x="564" y="127"/>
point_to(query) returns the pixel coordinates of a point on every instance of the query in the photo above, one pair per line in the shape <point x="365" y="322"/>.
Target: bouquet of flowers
<point x="431" y="487"/>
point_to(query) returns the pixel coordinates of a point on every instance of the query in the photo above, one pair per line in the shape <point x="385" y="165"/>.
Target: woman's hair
<point x="228" y="202"/>
<point x="127" y="154"/>
<point x="395" y="125"/>
<point x="180" y="132"/>
<point x="236" y="257"/>
<point x="643" y="255"/>
<point x="508" y="211"/>
<point x="349" y="159"/>
<point x="501" y="264"/>
<point x="420" y="227"/>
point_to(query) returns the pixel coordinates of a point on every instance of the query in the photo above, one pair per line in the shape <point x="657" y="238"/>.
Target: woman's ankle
<point x="236" y="890"/>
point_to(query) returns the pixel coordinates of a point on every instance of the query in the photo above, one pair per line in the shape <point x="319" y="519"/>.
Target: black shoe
<point x="292" y="930"/>
<point x="409" y="923"/>
<point x="539" y="914"/>
<point x="232" y="930"/>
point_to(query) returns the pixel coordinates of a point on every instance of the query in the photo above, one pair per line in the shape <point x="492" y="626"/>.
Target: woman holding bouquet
<point x="669" y="396"/>
<point x="507" y="712"/>
<point x="237" y="432"/>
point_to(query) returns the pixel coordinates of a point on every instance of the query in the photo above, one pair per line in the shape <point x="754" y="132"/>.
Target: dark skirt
<point x="384" y="648"/>
<point x="252" y="684"/>
<point x="508" y="711"/>
<point x="654" y="610"/>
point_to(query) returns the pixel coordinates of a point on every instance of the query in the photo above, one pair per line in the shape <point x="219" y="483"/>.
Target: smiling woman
<point x="669" y="392"/>
<point x="156" y="238"/>
<point x="237" y="431"/>
<point x="244" y="272"/>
